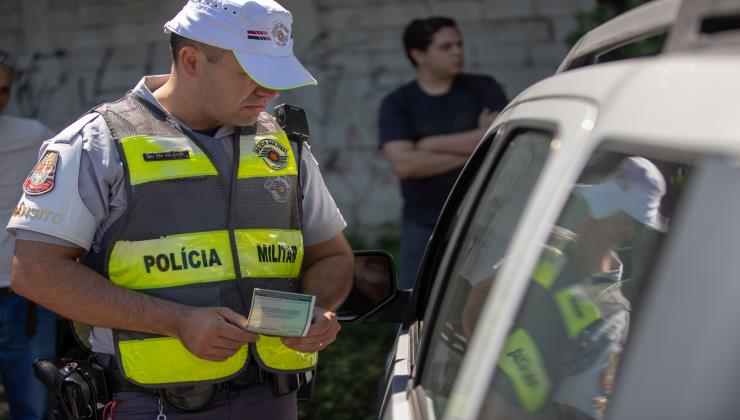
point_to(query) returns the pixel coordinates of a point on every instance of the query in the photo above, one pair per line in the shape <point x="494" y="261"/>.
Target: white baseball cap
<point x="636" y="187"/>
<point x="257" y="31"/>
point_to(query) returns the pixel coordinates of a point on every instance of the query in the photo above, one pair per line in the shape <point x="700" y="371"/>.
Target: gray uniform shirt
<point x="102" y="188"/>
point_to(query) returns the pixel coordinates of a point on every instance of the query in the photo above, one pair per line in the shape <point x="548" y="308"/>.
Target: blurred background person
<point x="27" y="331"/>
<point x="430" y="126"/>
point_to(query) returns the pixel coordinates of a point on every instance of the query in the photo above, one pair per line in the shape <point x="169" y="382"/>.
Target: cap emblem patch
<point x="41" y="179"/>
<point x="281" y="34"/>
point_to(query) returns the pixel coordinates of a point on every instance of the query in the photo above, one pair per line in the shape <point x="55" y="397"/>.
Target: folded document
<point x="282" y="314"/>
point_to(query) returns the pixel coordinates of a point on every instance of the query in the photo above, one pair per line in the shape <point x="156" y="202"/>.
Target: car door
<point x="473" y="233"/>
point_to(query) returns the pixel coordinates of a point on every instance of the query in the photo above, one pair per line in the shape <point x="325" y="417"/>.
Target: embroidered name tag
<point x="171" y="155"/>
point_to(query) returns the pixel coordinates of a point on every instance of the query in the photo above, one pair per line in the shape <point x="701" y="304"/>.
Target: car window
<point x="562" y="353"/>
<point x="453" y="210"/>
<point x="642" y="48"/>
<point x="485" y="241"/>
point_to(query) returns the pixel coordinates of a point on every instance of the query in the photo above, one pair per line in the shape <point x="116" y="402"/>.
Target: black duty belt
<point x="109" y="380"/>
<point x="252" y="375"/>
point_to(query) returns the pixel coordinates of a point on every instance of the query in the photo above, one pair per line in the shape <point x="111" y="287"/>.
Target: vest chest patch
<point x="169" y="155"/>
<point x="274" y="154"/>
<point x="279" y="188"/>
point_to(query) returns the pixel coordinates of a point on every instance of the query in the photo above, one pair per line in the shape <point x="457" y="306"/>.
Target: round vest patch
<point x="279" y="187"/>
<point x="274" y="154"/>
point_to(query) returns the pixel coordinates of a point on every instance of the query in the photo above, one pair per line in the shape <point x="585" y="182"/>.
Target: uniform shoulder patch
<point x="41" y="179"/>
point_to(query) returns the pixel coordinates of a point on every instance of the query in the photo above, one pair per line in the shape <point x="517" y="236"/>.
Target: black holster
<point x="306" y="382"/>
<point x="72" y="387"/>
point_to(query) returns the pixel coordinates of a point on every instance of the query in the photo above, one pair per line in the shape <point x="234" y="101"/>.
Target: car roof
<point x="691" y="25"/>
<point x="686" y="99"/>
<point x="649" y="19"/>
<point x="705" y="24"/>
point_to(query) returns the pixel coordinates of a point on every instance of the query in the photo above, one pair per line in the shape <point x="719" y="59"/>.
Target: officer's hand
<point x="323" y="332"/>
<point x="214" y="333"/>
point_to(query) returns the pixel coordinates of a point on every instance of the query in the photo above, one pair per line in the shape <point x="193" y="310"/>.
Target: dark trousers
<point x="414" y="239"/>
<point x="22" y="341"/>
<point x="256" y="402"/>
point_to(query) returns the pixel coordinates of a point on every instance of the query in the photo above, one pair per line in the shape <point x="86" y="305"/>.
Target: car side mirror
<point x="375" y="296"/>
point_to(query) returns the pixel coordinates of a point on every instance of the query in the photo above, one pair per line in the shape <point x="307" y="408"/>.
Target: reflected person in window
<point x="561" y="355"/>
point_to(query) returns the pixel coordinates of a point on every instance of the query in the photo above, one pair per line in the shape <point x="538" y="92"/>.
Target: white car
<point x="584" y="266"/>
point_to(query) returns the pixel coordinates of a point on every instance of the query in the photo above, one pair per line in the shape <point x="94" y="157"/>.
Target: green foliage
<point x="605" y="11"/>
<point x="351" y="371"/>
<point x="387" y="237"/>
<point x="590" y="20"/>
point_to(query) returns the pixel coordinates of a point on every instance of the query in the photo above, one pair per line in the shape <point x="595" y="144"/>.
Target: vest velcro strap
<point x="163" y="158"/>
<point x="275" y="356"/>
<point x="269" y="253"/>
<point x="141" y="361"/>
<point x="174" y="260"/>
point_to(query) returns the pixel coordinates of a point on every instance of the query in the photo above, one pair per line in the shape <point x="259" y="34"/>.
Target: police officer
<point x="153" y="218"/>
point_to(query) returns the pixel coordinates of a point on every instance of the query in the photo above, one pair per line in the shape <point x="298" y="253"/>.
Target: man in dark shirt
<point x="430" y="126"/>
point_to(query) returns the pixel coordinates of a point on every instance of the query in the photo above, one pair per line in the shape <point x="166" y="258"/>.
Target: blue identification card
<point x="281" y="314"/>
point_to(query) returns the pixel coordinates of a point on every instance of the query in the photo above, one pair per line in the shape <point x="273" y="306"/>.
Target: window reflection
<point x="496" y="216"/>
<point x="562" y="353"/>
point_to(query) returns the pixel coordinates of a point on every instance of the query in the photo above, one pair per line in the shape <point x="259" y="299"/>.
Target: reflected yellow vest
<point x="566" y="309"/>
<point x="185" y="238"/>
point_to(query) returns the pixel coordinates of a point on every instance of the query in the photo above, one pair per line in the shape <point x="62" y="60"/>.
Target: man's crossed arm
<point x="434" y="155"/>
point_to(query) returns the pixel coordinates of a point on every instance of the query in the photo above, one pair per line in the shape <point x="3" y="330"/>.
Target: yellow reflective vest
<point x="186" y="238"/>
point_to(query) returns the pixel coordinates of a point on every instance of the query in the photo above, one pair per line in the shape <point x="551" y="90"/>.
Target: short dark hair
<point x="7" y="61"/>
<point x="419" y="33"/>
<point x="177" y="43"/>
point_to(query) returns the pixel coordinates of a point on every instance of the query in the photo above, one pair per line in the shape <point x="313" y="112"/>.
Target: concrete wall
<point x="77" y="53"/>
